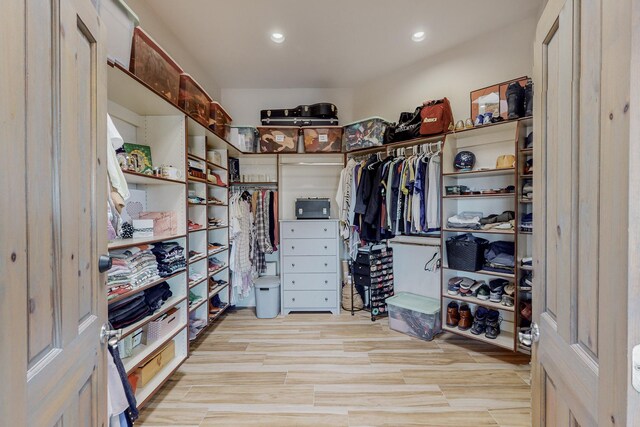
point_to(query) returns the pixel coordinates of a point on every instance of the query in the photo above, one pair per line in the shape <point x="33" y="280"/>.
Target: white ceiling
<point x="329" y="43"/>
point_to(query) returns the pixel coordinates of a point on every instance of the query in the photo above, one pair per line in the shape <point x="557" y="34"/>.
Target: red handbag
<point x="436" y="117"/>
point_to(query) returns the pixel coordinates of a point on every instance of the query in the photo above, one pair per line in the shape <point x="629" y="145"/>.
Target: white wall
<point x="244" y="105"/>
<point x="153" y="25"/>
<point x="499" y="56"/>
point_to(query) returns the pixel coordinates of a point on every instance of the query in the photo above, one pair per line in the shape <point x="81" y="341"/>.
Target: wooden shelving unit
<point x="174" y="138"/>
<point x="487" y="143"/>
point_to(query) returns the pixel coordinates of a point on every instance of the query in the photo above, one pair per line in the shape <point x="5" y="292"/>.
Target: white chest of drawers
<point x="310" y="266"/>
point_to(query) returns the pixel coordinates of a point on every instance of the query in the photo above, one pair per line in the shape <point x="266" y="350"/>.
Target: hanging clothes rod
<point x="414" y="244"/>
<point x="254" y="184"/>
<point x="312" y="164"/>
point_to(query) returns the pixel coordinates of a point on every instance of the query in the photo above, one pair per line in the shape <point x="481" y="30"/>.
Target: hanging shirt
<point x="435" y="188"/>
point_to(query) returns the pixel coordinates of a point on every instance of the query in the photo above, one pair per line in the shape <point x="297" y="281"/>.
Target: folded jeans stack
<point x="500" y="257"/>
<point x="170" y="257"/>
<point x="136" y="307"/>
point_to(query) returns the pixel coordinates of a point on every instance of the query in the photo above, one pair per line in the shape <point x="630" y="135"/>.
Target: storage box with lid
<point x="244" y="138"/>
<point x="322" y="139"/>
<point x="194" y="99"/>
<point x="219" y="119"/>
<point x="161" y="327"/>
<point x="121" y="21"/>
<point x="415" y="315"/>
<point x="280" y="139"/>
<point x="364" y="133"/>
<point x="151" y="64"/>
<point x="164" y="223"/>
<point x="150" y="369"/>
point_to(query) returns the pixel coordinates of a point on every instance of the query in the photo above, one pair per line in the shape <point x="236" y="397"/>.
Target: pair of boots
<point x="519" y="100"/>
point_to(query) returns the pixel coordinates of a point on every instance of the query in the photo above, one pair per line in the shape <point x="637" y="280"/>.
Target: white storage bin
<point x="267" y="297"/>
<point x="120" y="21"/>
<point x="415" y="315"/>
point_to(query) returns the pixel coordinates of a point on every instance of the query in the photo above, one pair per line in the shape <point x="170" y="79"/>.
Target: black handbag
<point x="408" y="126"/>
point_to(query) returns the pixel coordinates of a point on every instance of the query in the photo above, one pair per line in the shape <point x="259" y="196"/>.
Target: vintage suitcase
<point x="313" y="208"/>
<point x="283" y="139"/>
<point x="322" y="139"/>
<point x="151" y="64"/>
<point x="194" y="100"/>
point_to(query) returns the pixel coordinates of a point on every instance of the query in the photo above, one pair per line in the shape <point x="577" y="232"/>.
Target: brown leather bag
<point x="436" y="117"/>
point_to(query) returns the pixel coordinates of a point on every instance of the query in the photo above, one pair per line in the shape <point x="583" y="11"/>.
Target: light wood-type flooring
<point x="319" y="369"/>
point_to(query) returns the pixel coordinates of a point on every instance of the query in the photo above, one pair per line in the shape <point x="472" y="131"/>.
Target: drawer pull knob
<point x="292" y="230"/>
<point x="326" y="299"/>
<point x="325" y="247"/>
<point x="326" y="265"/>
<point x="293" y="247"/>
<point x="325" y="230"/>
<point x="293" y="299"/>
<point x="326" y="282"/>
<point x="293" y="282"/>
<point x="293" y="265"/>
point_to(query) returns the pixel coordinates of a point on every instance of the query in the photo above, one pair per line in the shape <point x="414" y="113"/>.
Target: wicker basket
<point x="466" y="252"/>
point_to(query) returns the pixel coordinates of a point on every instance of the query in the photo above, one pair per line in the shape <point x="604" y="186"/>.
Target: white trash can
<point x="267" y="290"/>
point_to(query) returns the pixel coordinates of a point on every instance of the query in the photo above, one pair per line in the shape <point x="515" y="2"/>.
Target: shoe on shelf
<point x="515" y="100"/>
<point x="526" y="282"/>
<point x="479" y="120"/>
<point x="507" y="300"/>
<point x="453" y="316"/>
<point x="459" y="125"/>
<point x="468" y="124"/>
<point x="466" y="319"/>
<point x="453" y="288"/>
<point x="194" y="226"/>
<point x="528" y="141"/>
<point x="527" y="190"/>
<point x="487" y="118"/>
<point x="497" y="289"/>
<point x="466" y="283"/>
<point x="510" y="289"/>
<point x="484" y="292"/>
<point x="528" y="98"/>
<point x="525" y="310"/>
<point x="479" y="321"/>
<point x="475" y="287"/>
<point x="526" y="261"/>
<point x="493" y="324"/>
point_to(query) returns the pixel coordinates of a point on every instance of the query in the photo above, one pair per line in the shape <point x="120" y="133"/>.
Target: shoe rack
<point x="487" y="143"/>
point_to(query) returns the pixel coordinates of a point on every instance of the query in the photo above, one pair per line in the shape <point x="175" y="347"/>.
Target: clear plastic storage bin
<point x="415" y="315"/>
<point x="364" y="133"/>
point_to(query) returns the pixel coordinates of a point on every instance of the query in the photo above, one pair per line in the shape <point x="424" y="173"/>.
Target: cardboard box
<point x="164" y="223"/>
<point x="149" y="370"/>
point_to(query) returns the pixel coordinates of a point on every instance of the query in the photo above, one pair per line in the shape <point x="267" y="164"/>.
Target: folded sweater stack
<point x="170" y="257"/>
<point x="138" y="306"/>
<point x="132" y="268"/>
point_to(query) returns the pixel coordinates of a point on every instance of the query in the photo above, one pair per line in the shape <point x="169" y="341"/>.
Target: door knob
<point x="104" y="263"/>
<point x="110" y="336"/>
<point x="533" y="336"/>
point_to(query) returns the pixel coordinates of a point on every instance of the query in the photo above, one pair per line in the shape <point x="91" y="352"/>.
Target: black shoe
<point x="528" y="142"/>
<point x="515" y="100"/>
<point x="528" y="98"/>
<point x="492" y="329"/>
<point x="480" y="321"/>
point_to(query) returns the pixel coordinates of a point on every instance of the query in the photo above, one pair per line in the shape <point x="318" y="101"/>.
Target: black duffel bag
<point x="408" y="127"/>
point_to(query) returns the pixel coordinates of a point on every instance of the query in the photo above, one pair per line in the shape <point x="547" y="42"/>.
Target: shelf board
<point x="492" y="231"/>
<point x="526" y="151"/>
<point x="213" y="317"/>
<point x="199" y="229"/>
<point x="141" y="178"/>
<point x="127" y="90"/>
<point x="490" y="127"/>
<point x="400" y="144"/>
<point x="481" y="196"/>
<point x="525" y="232"/>
<point x="144" y="287"/>
<point x="526" y="267"/>
<point x="253" y="183"/>
<point x="217" y="290"/>
<point x="216" y="166"/>
<point x="482" y="173"/>
<point x="217" y="251"/>
<point x="221" y="227"/>
<point x="526" y="201"/>
<point x="200" y="258"/>
<point x="484" y="273"/>
<point x="197" y="305"/>
<point x="222" y="205"/>
<point x="144" y="393"/>
<point x="198" y="282"/>
<point x="143" y="352"/>
<point x="504" y="340"/>
<point x="196" y="157"/>
<point x="476" y="301"/>
<point x="526" y="175"/>
<point x="127" y="243"/>
<point x="195" y="179"/>
<point x="217" y="185"/>
<point x="213" y="273"/>
<point x="524" y="349"/>
<point x="168" y="305"/>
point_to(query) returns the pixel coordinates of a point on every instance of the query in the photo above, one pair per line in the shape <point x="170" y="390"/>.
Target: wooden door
<point x="581" y="364"/>
<point x="53" y="166"/>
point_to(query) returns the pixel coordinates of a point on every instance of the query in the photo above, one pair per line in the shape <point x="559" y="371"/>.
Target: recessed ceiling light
<point x="277" y="37"/>
<point x="418" y="36"/>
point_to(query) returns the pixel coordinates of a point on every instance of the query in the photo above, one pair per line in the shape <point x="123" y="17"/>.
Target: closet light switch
<point x="635" y="368"/>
